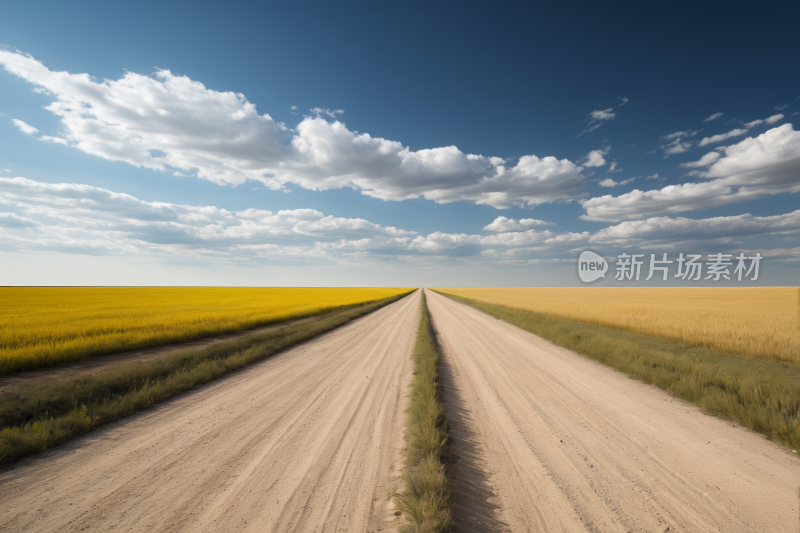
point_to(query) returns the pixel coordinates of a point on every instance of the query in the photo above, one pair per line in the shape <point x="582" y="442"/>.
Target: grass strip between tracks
<point x="427" y="496"/>
<point x="41" y="415"/>
<point x="762" y="395"/>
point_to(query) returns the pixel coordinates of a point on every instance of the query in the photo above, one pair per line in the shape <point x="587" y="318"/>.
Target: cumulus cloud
<point x="595" y="158"/>
<point x="503" y="224"/>
<point x="715" y="116"/>
<point x="757" y="166"/>
<point x="24" y="127"/>
<point x="622" y="100"/>
<point x="174" y="124"/>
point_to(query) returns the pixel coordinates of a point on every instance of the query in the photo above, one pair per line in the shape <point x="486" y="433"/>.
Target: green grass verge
<point x="762" y="395"/>
<point x="41" y="415"/>
<point x="426" y="498"/>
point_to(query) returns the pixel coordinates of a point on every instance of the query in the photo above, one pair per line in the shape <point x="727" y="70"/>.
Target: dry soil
<point x="308" y="440"/>
<point x="548" y="440"/>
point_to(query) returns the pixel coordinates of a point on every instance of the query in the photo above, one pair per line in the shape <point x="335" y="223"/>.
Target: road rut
<point x="308" y="440"/>
<point x="548" y="440"/>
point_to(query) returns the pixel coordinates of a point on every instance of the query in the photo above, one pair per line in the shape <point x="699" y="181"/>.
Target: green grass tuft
<point x="426" y="500"/>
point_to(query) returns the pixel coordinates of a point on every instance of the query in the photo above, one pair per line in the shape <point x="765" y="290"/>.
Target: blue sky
<point x="367" y="144"/>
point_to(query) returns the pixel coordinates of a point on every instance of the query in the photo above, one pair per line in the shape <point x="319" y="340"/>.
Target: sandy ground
<point x="308" y="440"/>
<point x="548" y="440"/>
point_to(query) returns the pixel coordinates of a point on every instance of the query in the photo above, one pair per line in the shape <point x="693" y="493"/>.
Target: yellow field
<point x="42" y="326"/>
<point x="751" y="322"/>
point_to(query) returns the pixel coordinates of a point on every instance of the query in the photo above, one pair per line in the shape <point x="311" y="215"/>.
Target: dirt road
<point x="550" y="441"/>
<point x="308" y="440"/>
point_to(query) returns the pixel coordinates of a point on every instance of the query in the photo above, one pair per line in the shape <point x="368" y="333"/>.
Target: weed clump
<point x="427" y="497"/>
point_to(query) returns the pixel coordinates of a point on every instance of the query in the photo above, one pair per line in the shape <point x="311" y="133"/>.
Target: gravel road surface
<point x="548" y="440"/>
<point x="308" y="440"/>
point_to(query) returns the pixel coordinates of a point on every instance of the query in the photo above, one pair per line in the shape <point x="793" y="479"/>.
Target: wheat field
<point x="41" y="326"/>
<point x="759" y="323"/>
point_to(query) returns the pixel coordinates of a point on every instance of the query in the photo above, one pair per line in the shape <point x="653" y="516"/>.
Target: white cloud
<point x="293" y="108"/>
<point x="174" y="124"/>
<point x="676" y="146"/>
<point x="597" y="118"/>
<point x="771" y="159"/>
<point x="780" y="107"/>
<point x="704" y="161"/>
<point x="82" y="219"/>
<point x="325" y="111"/>
<point x="603" y="114"/>
<point x="608" y="182"/>
<point x="24" y="127"/>
<point x="13" y="220"/>
<point x="722" y="136"/>
<point x="715" y="116"/>
<point x="503" y="224"/>
<point x="98" y="220"/>
<point x="757" y="166"/>
<point x="623" y="100"/>
<point x="774" y="118"/>
<point x="56" y="140"/>
<point x="595" y="158"/>
<point x="666" y="230"/>
<point x="740" y="131"/>
<point x="679" y="135"/>
<point x="72" y="218"/>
